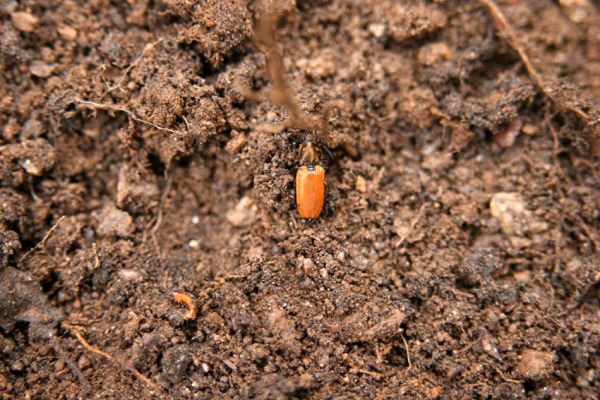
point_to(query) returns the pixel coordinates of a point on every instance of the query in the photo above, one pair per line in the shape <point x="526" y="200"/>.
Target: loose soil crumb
<point x="458" y="255"/>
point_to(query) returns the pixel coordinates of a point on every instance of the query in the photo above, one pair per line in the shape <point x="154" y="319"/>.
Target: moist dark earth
<point x="458" y="254"/>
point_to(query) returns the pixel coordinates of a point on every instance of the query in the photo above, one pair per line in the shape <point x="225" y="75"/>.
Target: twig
<point x="407" y="352"/>
<point x="282" y="92"/>
<point x="115" y="360"/>
<point x="103" y="106"/>
<point x="42" y="243"/>
<point x="130" y="67"/>
<point x="506" y="30"/>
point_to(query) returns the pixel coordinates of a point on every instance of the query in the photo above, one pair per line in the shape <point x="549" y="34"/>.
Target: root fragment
<point x="112" y="107"/>
<point x="506" y="31"/>
<point x="116" y="360"/>
<point x="42" y="243"/>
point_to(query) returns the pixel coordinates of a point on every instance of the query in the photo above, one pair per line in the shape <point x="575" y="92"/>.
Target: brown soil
<point x="458" y="255"/>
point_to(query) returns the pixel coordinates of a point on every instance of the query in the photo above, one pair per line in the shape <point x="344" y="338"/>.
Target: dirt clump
<point x="149" y="148"/>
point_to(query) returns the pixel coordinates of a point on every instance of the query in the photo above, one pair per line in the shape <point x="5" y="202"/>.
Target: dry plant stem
<point x="131" y="66"/>
<point x="117" y="361"/>
<point x="407" y="352"/>
<point x="102" y="106"/>
<point x="281" y="93"/>
<point x="43" y="241"/>
<point x="506" y="30"/>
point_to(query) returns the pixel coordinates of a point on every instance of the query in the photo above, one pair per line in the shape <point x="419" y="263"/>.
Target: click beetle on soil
<point x="310" y="180"/>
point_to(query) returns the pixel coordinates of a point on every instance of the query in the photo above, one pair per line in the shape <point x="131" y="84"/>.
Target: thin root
<point x="506" y="30"/>
<point x="407" y="352"/>
<point x="115" y="360"/>
<point x="42" y="243"/>
<point x="117" y="85"/>
<point x="112" y="107"/>
<point x="282" y="92"/>
<point x="508" y="379"/>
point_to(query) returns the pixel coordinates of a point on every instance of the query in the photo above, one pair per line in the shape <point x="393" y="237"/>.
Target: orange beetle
<point x="310" y="180"/>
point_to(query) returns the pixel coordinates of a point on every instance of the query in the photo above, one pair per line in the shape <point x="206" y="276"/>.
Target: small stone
<point x="520" y="242"/>
<point x="194" y="244"/>
<point x="535" y="365"/>
<point x="83" y="362"/>
<point x="490" y="348"/>
<point x="434" y="52"/>
<point x="195" y="219"/>
<point x="361" y="184"/>
<point x="510" y="209"/>
<point x="41" y="69"/>
<point x="244" y="212"/>
<point x="522" y="276"/>
<point x="307" y="265"/>
<point x="507" y="136"/>
<point x="137" y="191"/>
<point x="236" y="143"/>
<point x="17" y="366"/>
<point x="130" y="275"/>
<point x="114" y="222"/>
<point x="24" y="21"/>
<point x="377" y="30"/>
<point x="530" y="130"/>
<point x="324" y="273"/>
<point x="67" y="33"/>
<point x="31" y="167"/>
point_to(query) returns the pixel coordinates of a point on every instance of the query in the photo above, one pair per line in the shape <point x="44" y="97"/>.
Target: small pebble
<point x="377" y="30"/>
<point x="41" y="69"/>
<point x="361" y="184"/>
<point x="236" y="143"/>
<point x="507" y="136"/>
<point x="67" y="33"/>
<point x="509" y="208"/>
<point x="115" y="222"/>
<point x="490" y="349"/>
<point x="24" y="21"/>
<point x="433" y="53"/>
<point x="530" y="130"/>
<point x="244" y="212"/>
<point x="130" y="275"/>
<point x="17" y="366"/>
